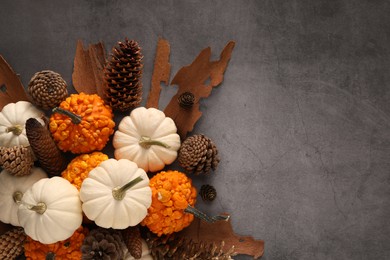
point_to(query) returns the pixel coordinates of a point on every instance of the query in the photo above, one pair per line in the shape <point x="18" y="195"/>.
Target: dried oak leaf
<point x="88" y="67"/>
<point x="223" y="231"/>
<point x="192" y="78"/>
<point x="11" y="88"/>
<point x="161" y="71"/>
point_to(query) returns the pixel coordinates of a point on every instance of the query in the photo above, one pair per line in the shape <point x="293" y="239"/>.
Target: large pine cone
<point x="11" y="243"/>
<point x="102" y="243"/>
<point x="122" y="75"/>
<point x="47" y="89"/>
<point x="198" y="154"/>
<point x="49" y="156"/>
<point x="17" y="160"/>
<point x="178" y="248"/>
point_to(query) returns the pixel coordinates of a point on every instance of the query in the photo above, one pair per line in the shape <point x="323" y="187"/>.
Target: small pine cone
<point x="198" y="154"/>
<point x="208" y="192"/>
<point x="11" y="243"/>
<point x="47" y="89"/>
<point x="17" y="160"/>
<point x="186" y="100"/>
<point x="132" y="239"/>
<point x="102" y="243"/>
<point x="49" y="156"/>
<point x="122" y="75"/>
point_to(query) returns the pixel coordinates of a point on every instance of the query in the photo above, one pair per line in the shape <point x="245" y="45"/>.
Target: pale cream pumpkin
<point x="13" y="118"/>
<point x="12" y="189"/>
<point x="116" y="194"/>
<point x="148" y="138"/>
<point x="50" y="211"/>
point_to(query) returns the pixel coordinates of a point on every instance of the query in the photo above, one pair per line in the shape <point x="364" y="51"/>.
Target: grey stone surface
<point x="301" y="120"/>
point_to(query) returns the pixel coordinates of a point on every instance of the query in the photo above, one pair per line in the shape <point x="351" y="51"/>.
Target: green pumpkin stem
<point x="76" y="119"/>
<point x="17" y="196"/>
<point x="39" y="208"/>
<point x="146" y="142"/>
<point x="119" y="192"/>
<point x="199" y="214"/>
<point x="15" y="129"/>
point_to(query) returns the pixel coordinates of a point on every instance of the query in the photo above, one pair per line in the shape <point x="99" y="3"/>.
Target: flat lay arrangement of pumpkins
<point x="66" y="199"/>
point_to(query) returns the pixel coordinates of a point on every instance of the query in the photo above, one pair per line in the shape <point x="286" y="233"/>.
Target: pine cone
<point x="49" y="156"/>
<point x="133" y="241"/>
<point x="102" y="243"/>
<point x="11" y="243"/>
<point x="198" y="154"/>
<point x="178" y="248"/>
<point x="207" y="192"/>
<point x="122" y="75"/>
<point x="17" y="160"/>
<point x="186" y="100"/>
<point x="47" y="89"/>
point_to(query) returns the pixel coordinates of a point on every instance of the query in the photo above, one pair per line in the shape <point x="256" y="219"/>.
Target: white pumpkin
<point x="148" y="138"/>
<point x="12" y="189"/>
<point x="13" y="118"/>
<point x="116" y="194"/>
<point x="50" y="210"/>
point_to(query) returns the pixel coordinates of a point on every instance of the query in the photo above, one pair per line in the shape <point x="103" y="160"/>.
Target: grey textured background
<point x="301" y="120"/>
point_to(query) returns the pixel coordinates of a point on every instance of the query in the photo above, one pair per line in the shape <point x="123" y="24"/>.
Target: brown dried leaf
<point x="11" y="88"/>
<point x="87" y="74"/>
<point x="223" y="231"/>
<point x="192" y="79"/>
<point x="161" y="72"/>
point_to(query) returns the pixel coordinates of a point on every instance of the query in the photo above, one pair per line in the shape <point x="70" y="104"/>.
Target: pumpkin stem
<point x="146" y="142"/>
<point x="15" y="129"/>
<point x="17" y="196"/>
<point x="199" y="214"/>
<point x="76" y="119"/>
<point x="39" y="208"/>
<point x="119" y="192"/>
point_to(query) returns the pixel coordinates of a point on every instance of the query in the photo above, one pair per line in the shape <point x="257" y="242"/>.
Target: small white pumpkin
<point x="148" y="138"/>
<point x="13" y="118"/>
<point x="12" y="189"/>
<point x="116" y="194"/>
<point x="50" y="210"/>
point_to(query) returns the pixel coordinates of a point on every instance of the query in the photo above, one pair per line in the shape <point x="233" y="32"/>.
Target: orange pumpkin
<point x="66" y="249"/>
<point x="82" y="123"/>
<point x="172" y="192"/>
<point x="79" y="168"/>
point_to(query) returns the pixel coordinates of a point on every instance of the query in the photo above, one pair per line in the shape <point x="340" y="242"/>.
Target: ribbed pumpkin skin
<point x="100" y="206"/>
<point x="10" y="184"/>
<point x="150" y="123"/>
<point x="16" y="114"/>
<point x="62" y="216"/>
